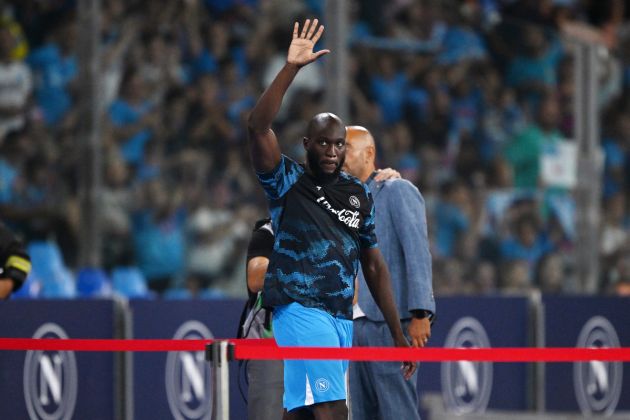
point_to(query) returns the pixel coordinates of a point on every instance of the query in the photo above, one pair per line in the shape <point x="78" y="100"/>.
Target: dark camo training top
<point x="320" y="231"/>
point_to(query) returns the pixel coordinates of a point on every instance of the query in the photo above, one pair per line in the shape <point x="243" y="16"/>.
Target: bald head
<point x="360" y="152"/>
<point x="324" y="122"/>
<point x="359" y="136"/>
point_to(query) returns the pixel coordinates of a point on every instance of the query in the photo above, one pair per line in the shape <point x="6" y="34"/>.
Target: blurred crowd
<point x="472" y="100"/>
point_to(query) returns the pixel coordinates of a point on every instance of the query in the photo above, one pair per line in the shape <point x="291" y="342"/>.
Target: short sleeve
<point x="261" y="242"/>
<point x="367" y="231"/>
<point x="280" y="180"/>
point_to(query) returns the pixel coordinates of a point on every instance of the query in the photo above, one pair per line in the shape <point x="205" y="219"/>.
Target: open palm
<point x="301" y="48"/>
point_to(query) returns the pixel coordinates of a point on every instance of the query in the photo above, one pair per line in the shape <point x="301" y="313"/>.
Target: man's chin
<point x="328" y="175"/>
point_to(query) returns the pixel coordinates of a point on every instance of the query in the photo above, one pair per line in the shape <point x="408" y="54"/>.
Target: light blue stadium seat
<point x="45" y="257"/>
<point x="93" y="283"/>
<point x="177" y="293"/>
<point x="62" y="286"/>
<point x="130" y="282"/>
<point x="212" y="294"/>
<point x="50" y="271"/>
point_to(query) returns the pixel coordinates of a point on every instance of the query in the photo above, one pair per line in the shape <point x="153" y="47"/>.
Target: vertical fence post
<point x="220" y="352"/>
<point x="89" y="139"/>
<point x="337" y="74"/>
<point x="588" y="190"/>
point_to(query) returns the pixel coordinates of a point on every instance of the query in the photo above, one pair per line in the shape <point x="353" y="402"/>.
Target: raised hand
<point x="301" y="48"/>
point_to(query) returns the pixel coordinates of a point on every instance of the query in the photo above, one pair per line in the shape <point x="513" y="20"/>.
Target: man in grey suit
<point x="377" y="390"/>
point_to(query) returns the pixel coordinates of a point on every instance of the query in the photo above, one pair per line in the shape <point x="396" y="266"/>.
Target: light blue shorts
<point x="307" y="382"/>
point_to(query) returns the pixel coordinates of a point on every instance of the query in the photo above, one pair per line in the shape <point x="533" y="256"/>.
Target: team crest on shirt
<point x="322" y="385"/>
<point x="354" y="201"/>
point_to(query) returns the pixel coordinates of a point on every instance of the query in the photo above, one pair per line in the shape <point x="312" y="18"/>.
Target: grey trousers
<point x="265" y="391"/>
<point x="378" y="390"/>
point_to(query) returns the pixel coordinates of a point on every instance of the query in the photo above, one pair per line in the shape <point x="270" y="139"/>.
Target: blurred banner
<point x="149" y="385"/>
<point x="178" y="385"/>
<point x="59" y="385"/>
<point x="593" y="387"/>
<point x="468" y="387"/>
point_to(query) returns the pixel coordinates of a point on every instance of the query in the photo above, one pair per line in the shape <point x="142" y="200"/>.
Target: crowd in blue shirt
<point x="447" y="88"/>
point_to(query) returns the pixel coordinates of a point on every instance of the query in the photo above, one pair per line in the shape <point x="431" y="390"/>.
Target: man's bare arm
<point x="263" y="144"/>
<point x="256" y="270"/>
<point x="6" y="286"/>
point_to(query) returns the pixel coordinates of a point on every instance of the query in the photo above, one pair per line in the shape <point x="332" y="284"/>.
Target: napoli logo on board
<point x="466" y="385"/>
<point x="189" y="376"/>
<point x="598" y="383"/>
<point x="50" y="379"/>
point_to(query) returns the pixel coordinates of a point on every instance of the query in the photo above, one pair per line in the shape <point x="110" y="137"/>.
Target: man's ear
<point x="370" y="153"/>
<point x="305" y="142"/>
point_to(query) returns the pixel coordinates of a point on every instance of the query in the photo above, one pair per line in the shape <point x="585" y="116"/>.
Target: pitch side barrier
<point x="163" y="369"/>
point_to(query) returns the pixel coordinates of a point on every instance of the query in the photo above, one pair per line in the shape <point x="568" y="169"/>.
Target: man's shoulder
<point x="286" y="169"/>
<point x="400" y="186"/>
<point x="346" y="177"/>
<point x="351" y="182"/>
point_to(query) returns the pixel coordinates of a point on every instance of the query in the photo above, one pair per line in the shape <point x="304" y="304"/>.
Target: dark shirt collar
<point x="371" y="177"/>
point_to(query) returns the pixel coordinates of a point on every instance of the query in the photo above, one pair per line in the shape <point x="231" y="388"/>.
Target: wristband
<point x="420" y="313"/>
<point x="17" y="268"/>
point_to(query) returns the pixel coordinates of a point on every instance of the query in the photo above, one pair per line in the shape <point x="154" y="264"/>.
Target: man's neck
<point x="367" y="173"/>
<point x="322" y="179"/>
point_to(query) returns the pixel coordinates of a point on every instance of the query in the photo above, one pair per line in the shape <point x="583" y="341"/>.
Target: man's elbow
<point x="6" y="287"/>
<point x="255" y="287"/>
<point x="370" y="266"/>
<point x="255" y="125"/>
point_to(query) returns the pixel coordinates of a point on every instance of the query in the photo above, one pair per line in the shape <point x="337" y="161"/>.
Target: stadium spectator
<point x="527" y="243"/>
<point x="550" y="276"/>
<point x="15" y="263"/>
<point x="523" y="151"/>
<point x="619" y="275"/>
<point x="134" y="117"/>
<point x="515" y="277"/>
<point x="534" y="70"/>
<point x="158" y="228"/>
<point x="55" y="68"/>
<point x="16" y="86"/>
<point x="452" y="216"/>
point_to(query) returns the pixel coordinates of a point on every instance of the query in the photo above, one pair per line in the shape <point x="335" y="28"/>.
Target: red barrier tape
<point x="265" y="349"/>
<point x="96" y="344"/>
<point x="503" y="354"/>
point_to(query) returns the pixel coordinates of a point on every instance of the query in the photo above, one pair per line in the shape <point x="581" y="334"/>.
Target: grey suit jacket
<point x="401" y="230"/>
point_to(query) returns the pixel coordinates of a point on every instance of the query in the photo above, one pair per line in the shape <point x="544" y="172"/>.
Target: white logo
<point x="350" y="218"/>
<point x="598" y="383"/>
<point x="318" y="187"/>
<point x="466" y="385"/>
<point x="188" y="376"/>
<point x="322" y="385"/>
<point x="354" y="202"/>
<point x="50" y="379"/>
